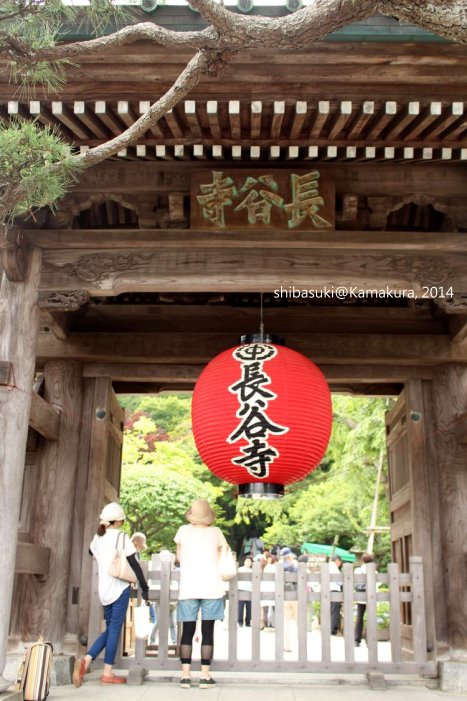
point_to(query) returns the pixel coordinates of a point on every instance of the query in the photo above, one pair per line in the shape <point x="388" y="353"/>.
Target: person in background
<point x="268" y="586"/>
<point x="139" y="541"/>
<point x="244" y="607"/>
<point x="289" y="563"/>
<point x="114" y="593"/>
<point x="199" y="545"/>
<point x="335" y="564"/>
<point x="361" y="607"/>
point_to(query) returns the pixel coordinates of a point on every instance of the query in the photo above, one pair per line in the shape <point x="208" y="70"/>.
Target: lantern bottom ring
<point x="261" y="490"/>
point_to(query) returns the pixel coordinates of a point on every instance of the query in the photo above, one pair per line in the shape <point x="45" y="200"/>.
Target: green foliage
<point x="168" y="412"/>
<point x="29" y="153"/>
<point x="28" y="26"/>
<point x="155" y="500"/>
<point x="335" y="500"/>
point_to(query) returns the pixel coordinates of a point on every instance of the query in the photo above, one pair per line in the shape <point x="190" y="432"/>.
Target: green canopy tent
<point x="328" y="550"/>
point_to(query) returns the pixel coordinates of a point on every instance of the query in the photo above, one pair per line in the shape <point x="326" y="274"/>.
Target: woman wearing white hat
<point x="114" y="593"/>
<point x="199" y="545"/>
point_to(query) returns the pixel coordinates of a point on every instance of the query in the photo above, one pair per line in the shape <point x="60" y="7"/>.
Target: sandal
<point x="113" y="679"/>
<point x="79" y="670"/>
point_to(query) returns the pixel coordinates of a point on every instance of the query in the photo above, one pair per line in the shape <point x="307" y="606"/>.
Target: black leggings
<point x="207" y="641"/>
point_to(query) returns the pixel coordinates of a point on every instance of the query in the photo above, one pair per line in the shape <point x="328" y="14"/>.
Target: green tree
<point x="155" y="500"/>
<point x="336" y="499"/>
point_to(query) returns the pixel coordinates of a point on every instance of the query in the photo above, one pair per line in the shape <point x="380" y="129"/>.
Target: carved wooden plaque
<point x="294" y="200"/>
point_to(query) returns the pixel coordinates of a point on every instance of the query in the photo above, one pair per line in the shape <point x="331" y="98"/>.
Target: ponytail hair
<point x="103" y="528"/>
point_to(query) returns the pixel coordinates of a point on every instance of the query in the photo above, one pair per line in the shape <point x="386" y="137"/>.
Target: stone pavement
<point x="164" y="687"/>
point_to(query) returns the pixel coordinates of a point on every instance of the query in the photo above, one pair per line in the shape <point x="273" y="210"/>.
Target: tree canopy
<point x="163" y="473"/>
<point x="33" y="37"/>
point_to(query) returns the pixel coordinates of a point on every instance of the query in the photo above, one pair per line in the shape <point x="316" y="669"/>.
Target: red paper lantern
<point x="262" y="417"/>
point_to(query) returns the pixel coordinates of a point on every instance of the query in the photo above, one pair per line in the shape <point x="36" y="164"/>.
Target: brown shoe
<point x="113" y="679"/>
<point x="79" y="670"/>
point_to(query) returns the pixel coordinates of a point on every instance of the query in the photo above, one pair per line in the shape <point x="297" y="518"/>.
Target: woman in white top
<point x="114" y="593"/>
<point x="199" y="545"/>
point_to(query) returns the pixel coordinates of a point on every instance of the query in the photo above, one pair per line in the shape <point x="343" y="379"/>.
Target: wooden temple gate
<point x="142" y="276"/>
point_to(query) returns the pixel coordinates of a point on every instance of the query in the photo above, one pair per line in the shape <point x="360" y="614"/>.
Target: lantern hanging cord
<point x="261" y="323"/>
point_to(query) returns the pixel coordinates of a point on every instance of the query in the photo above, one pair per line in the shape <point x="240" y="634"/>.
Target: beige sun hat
<point x="139" y="538"/>
<point x="200" y="513"/>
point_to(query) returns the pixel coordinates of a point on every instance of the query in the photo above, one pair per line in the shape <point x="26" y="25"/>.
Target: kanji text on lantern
<point x="254" y="426"/>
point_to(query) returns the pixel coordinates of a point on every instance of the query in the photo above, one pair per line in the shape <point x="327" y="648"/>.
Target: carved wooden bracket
<point x="457" y="304"/>
<point x="349" y="210"/>
<point x="63" y="301"/>
<point x="14" y="251"/>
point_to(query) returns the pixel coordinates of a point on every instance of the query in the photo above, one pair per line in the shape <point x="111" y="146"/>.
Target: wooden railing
<point x="315" y="651"/>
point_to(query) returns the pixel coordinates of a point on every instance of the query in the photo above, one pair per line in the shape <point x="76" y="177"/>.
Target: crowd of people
<point x="199" y="545"/>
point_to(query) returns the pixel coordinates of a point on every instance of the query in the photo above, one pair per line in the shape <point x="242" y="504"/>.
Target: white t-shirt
<point x="103" y="549"/>
<point x="199" y="562"/>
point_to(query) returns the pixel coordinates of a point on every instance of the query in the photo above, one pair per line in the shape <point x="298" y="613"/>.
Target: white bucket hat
<point x="200" y="513"/>
<point x="111" y="512"/>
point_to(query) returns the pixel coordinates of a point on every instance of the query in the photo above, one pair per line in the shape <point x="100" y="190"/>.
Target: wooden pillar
<point x="53" y="521"/>
<point x="450" y="403"/>
<point x="97" y="421"/>
<point x="79" y="517"/>
<point x="420" y="487"/>
<point x="19" y="326"/>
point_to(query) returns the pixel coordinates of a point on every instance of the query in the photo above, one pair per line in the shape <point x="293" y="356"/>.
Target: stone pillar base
<point x="452" y="676"/>
<point x="62" y="669"/>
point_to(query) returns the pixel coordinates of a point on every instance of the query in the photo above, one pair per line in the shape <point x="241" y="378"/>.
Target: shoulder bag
<point x="119" y="567"/>
<point x="227" y="564"/>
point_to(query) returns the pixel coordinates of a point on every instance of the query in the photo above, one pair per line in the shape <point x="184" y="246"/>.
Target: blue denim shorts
<point x="211" y="609"/>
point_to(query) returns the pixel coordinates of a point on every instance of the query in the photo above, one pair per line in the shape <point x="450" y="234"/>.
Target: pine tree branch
<point x="206" y="38"/>
<point x="446" y="18"/>
<point x="204" y="62"/>
<point x="295" y="31"/>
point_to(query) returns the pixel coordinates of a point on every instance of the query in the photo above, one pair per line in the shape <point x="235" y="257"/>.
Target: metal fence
<point x="309" y="593"/>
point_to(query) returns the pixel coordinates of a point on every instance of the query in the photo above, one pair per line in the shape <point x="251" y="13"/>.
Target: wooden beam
<point x="123" y="372"/>
<point x="458" y="328"/>
<point x="283" y="320"/>
<point x="111" y="239"/>
<point x="6" y="373"/>
<point x="256" y="111"/>
<point x="88" y="118"/>
<point x="168" y="374"/>
<point x="32" y="559"/>
<point x="364" y="179"/>
<point x="110" y="493"/>
<point x="57" y="322"/>
<point x="262" y="269"/>
<point x="188" y="348"/>
<point x="299" y="118"/>
<point x="43" y="418"/>
<point x="13" y="253"/>
<point x="320" y="119"/>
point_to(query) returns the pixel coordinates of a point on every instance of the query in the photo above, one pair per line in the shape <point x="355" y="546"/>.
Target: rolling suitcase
<point x="35" y="671"/>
